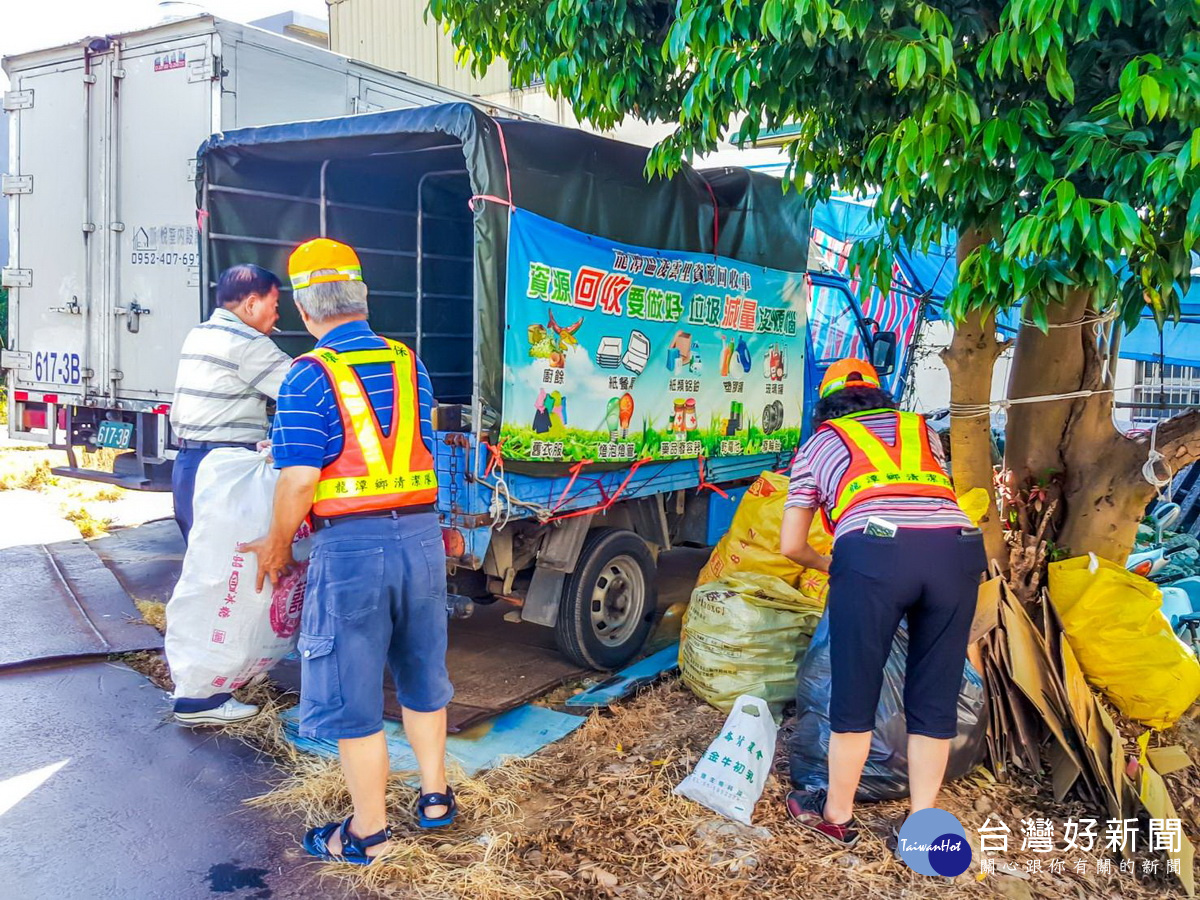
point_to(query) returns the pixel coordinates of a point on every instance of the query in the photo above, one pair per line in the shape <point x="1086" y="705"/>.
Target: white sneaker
<point x="228" y="713"/>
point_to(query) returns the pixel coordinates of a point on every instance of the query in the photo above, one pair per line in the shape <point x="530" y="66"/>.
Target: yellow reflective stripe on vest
<point x="363" y="357"/>
<point x="374" y="486"/>
<point x="887" y="473"/>
<point x="908" y="436"/>
<point x="382" y="473"/>
<point x="362" y="418"/>
<point x="392" y="353"/>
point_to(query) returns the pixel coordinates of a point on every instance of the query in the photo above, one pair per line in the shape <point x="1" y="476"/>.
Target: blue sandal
<point x="354" y="849"/>
<point x="434" y="799"/>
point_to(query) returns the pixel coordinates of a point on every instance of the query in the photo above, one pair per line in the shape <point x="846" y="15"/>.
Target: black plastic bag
<point x="885" y="776"/>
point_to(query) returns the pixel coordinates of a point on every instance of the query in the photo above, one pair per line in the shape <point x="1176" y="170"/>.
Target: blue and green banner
<point x="616" y="353"/>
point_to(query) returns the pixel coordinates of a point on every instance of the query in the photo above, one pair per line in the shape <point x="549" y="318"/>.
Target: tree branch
<point x="1178" y="439"/>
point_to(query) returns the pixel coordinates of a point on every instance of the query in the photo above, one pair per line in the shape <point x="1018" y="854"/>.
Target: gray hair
<point x="332" y="299"/>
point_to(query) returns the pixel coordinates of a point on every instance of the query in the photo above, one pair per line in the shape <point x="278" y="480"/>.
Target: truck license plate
<point x="115" y="435"/>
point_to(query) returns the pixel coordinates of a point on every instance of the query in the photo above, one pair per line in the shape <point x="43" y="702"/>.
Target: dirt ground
<point x="594" y="816"/>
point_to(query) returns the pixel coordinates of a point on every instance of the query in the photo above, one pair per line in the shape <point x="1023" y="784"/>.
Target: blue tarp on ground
<point x="519" y="732"/>
<point x="628" y="680"/>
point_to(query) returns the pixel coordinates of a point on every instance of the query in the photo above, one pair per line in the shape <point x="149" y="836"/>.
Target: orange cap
<point x="849" y="372"/>
<point x="340" y="262"/>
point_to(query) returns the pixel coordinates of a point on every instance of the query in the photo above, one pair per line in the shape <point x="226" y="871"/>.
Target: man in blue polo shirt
<point x="354" y="443"/>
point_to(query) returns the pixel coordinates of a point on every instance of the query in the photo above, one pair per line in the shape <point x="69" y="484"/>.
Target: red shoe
<point x="808" y="809"/>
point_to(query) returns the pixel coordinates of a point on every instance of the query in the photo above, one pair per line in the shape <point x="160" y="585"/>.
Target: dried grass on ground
<point x="93" y="507"/>
<point x="87" y="522"/>
<point x="152" y="664"/>
<point x="1184" y="785"/>
<point x="27" y="467"/>
<point x="594" y="816"/>
<point x="153" y="613"/>
<point x="24" y="471"/>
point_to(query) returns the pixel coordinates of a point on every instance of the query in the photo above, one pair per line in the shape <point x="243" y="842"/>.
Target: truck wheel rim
<point x="618" y="596"/>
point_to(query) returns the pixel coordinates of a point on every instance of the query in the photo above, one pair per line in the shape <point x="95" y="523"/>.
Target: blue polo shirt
<point x="307" y="430"/>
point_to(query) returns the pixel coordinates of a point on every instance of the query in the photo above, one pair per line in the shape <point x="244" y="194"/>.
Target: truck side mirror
<point x="883" y="352"/>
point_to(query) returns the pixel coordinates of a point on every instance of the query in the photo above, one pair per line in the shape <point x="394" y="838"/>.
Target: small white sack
<point x="731" y="775"/>
<point x="221" y="632"/>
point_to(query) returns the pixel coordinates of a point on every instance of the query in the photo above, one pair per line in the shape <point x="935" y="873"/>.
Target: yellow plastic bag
<point x="1124" y="644"/>
<point x="744" y="635"/>
<point x="752" y="542"/>
<point x="974" y="504"/>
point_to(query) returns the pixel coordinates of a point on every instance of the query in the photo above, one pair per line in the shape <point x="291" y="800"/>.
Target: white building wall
<point x="536" y="102"/>
<point x="397" y="35"/>
<point x="931" y="381"/>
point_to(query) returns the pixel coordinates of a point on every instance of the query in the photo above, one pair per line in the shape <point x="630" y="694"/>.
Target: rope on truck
<point x="503" y="501"/>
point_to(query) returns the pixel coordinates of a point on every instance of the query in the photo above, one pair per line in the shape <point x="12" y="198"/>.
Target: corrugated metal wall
<point x="393" y="34"/>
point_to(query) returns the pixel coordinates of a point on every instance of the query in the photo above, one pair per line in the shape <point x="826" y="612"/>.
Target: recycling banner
<point x="616" y="353"/>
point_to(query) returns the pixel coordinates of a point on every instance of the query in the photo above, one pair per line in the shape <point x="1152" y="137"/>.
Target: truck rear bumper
<point x="131" y="482"/>
<point x="62" y="424"/>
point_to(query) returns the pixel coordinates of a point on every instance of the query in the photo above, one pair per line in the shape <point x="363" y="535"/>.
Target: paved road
<point x="102" y="797"/>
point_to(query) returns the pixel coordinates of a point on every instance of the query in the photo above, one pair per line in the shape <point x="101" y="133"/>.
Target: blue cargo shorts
<point x="376" y="595"/>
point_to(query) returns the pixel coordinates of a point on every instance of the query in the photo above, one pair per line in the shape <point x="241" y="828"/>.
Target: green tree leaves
<point x="1068" y="131"/>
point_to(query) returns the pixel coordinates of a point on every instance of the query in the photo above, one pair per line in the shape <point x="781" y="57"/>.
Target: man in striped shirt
<point x="354" y="444"/>
<point x="229" y="368"/>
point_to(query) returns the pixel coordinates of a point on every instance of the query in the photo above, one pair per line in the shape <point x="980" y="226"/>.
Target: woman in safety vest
<point x="902" y="549"/>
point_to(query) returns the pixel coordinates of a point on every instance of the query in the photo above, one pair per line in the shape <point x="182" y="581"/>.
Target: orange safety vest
<point x="374" y="472"/>
<point x="906" y="468"/>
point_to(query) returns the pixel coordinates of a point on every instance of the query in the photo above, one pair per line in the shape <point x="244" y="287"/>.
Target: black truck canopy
<point x="423" y="196"/>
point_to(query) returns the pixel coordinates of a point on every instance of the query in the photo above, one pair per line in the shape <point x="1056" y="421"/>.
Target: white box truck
<point x="104" y="271"/>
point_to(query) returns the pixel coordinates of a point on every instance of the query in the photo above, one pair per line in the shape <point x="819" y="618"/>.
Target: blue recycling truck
<point x="614" y="357"/>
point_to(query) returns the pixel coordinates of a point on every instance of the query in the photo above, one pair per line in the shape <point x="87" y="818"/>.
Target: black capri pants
<point x="929" y="576"/>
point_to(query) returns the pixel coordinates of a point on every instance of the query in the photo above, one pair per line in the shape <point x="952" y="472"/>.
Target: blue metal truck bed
<point x="614" y="359"/>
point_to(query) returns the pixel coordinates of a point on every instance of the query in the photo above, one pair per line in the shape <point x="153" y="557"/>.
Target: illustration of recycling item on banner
<point x="615" y="353"/>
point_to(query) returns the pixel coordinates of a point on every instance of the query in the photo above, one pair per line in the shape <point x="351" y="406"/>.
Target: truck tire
<point x="609" y="601"/>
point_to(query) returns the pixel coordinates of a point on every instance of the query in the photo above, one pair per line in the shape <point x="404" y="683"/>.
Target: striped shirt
<point x="227" y="373"/>
<point x="308" y="425"/>
<point x="821" y="464"/>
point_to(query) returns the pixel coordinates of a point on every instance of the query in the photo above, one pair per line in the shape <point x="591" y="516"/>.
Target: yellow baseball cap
<point x="336" y="262"/>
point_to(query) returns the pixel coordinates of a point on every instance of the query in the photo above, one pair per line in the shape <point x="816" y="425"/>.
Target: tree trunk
<point x="1044" y="364"/>
<point x="1106" y="494"/>
<point x="971" y="361"/>
<point x="1103" y="494"/>
<point x="1067" y="457"/>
